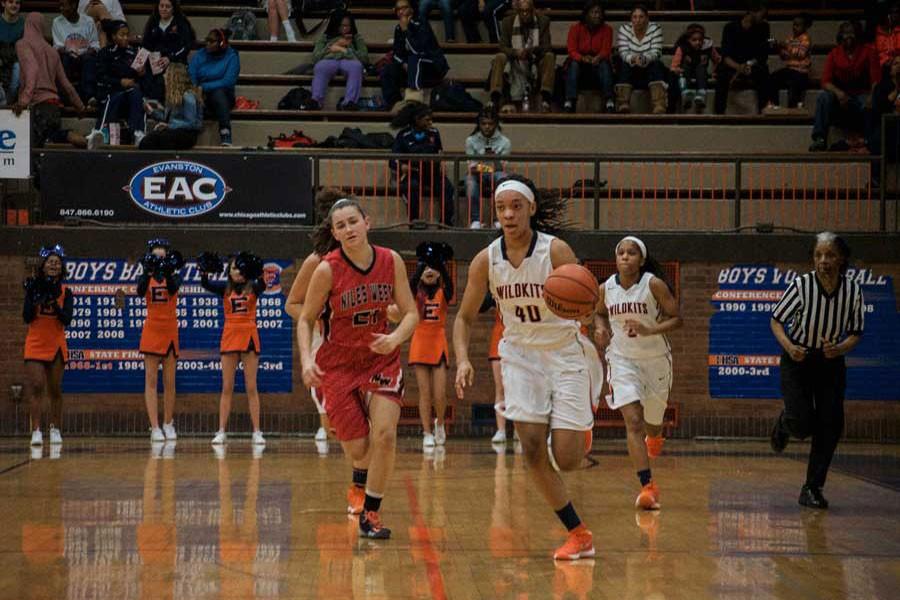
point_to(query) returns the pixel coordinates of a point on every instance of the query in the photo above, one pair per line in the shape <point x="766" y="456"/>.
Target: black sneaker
<point x="370" y="526"/>
<point x="811" y="497"/>
<point x="779" y="437"/>
<point x="818" y="145"/>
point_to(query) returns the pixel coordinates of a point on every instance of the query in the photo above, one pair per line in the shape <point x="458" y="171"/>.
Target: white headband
<point x="511" y="185"/>
<point x="631" y="238"/>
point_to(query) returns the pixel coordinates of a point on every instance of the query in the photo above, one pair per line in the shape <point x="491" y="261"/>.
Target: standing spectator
<point x="340" y="48"/>
<point x="485" y="141"/>
<point x="795" y="53"/>
<point x="12" y="27"/>
<point x="640" y="49"/>
<point x="694" y="53"/>
<point x="75" y="38"/>
<point x="491" y="12"/>
<point x="169" y="33"/>
<point x="104" y="12"/>
<point x="818" y="320"/>
<point x="42" y="76"/>
<point x="525" y="46"/>
<point x="590" y="49"/>
<point x="179" y="124"/>
<point x="418" y="61"/>
<point x="745" y="55"/>
<point x="851" y="73"/>
<point x="280" y="10"/>
<point x="887" y="35"/>
<point x="446" y="13"/>
<point x="215" y="69"/>
<point x="422" y="182"/>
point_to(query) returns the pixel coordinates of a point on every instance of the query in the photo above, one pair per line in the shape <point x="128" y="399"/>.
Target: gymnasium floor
<point x="107" y="519"/>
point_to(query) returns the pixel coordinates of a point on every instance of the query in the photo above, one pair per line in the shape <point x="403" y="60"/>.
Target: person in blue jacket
<point x="215" y="69"/>
<point x="418" y="60"/>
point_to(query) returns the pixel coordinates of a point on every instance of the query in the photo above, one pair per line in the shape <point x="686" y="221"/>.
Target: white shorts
<point x="550" y="386"/>
<point x="644" y="380"/>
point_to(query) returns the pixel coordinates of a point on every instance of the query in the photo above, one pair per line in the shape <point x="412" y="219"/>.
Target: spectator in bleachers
<point x="340" y="48"/>
<point x="850" y="75"/>
<point x="887" y="34"/>
<point x="885" y="101"/>
<point x="446" y="7"/>
<point x="418" y="61"/>
<point x="490" y="12"/>
<point x="526" y="47"/>
<point x="42" y="78"/>
<point x="75" y="38"/>
<point x="215" y="69"/>
<point x="422" y="183"/>
<point x="181" y="121"/>
<point x="795" y="53"/>
<point x="12" y="26"/>
<point x="590" y="52"/>
<point x="485" y="141"/>
<point x="745" y="55"/>
<point x="169" y="33"/>
<point x="639" y="44"/>
<point x="104" y="12"/>
<point x="280" y="10"/>
<point x="118" y="85"/>
<point x="694" y="53"/>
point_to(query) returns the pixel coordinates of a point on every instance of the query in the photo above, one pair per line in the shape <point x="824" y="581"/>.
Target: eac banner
<point x="15" y="145"/>
<point x="154" y="187"/>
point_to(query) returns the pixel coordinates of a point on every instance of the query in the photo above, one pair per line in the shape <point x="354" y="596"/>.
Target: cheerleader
<point x="635" y="311"/>
<point x="240" y="337"/>
<point x="47" y="311"/>
<point x="158" y="285"/>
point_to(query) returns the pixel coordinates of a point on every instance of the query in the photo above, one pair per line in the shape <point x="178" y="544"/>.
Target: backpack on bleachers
<point x="453" y="97"/>
<point x="297" y="98"/>
<point x="242" y="24"/>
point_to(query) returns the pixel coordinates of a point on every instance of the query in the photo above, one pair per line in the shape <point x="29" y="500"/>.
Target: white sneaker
<point x="321" y="435"/>
<point x="220" y="438"/>
<point x="440" y="434"/>
<point x="475" y="225"/>
<point x="499" y="437"/>
<point x="258" y="439"/>
<point x="428" y="440"/>
<point x="138" y="136"/>
<point x="37" y="438"/>
<point x="55" y="436"/>
<point x="94" y="139"/>
<point x="169" y="431"/>
<point x="156" y="435"/>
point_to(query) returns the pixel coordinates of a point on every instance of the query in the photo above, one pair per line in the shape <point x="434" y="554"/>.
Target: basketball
<point x="571" y="291"/>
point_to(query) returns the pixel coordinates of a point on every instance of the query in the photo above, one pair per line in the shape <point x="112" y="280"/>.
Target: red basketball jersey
<point x="356" y="307"/>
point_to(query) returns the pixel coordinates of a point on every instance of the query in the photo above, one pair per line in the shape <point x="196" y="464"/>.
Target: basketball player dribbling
<point x="545" y="362"/>
<point x="358" y="365"/>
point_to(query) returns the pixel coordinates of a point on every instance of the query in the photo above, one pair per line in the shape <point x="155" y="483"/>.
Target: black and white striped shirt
<point x="649" y="46"/>
<point x="811" y="316"/>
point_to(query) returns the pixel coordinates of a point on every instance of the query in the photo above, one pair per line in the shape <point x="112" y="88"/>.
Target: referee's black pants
<point x="813" y="392"/>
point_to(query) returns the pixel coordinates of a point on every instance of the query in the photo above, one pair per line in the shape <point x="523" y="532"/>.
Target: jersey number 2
<point x="528" y="313"/>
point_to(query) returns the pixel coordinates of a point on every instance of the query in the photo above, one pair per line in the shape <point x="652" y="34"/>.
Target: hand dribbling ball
<point x="571" y="291"/>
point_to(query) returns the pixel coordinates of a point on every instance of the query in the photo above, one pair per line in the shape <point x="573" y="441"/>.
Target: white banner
<point x="15" y="145"/>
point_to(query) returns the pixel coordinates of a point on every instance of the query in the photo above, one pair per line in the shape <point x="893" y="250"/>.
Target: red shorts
<point x="346" y="392"/>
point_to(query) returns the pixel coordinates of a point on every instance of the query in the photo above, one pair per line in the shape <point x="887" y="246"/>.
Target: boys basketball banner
<point x="743" y="352"/>
<point x="105" y="332"/>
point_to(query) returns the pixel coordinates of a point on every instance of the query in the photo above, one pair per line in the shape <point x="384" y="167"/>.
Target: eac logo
<point x="7" y="140"/>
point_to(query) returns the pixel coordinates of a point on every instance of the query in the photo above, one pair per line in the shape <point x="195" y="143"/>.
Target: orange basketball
<point x="571" y="291"/>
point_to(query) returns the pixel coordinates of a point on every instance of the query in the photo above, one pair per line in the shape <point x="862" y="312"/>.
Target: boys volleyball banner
<point x="744" y="355"/>
<point x="105" y="332"/>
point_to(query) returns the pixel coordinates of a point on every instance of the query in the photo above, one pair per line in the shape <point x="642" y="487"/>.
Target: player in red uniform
<point x="48" y="309"/>
<point x="158" y="285"/>
<point x="358" y="365"/>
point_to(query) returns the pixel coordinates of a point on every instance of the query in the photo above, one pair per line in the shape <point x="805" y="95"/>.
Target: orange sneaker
<point x="579" y="544"/>
<point x="654" y="445"/>
<point x="356" y="497"/>
<point x="648" y="499"/>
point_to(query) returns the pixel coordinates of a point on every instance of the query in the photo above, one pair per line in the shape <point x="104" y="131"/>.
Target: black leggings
<point x="813" y="392"/>
<point x="169" y="139"/>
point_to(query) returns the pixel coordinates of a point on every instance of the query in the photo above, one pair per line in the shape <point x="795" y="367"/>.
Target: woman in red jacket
<point x="590" y="50"/>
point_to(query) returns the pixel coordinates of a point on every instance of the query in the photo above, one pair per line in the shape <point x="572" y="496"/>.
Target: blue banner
<point x="744" y="355"/>
<point x="105" y="332"/>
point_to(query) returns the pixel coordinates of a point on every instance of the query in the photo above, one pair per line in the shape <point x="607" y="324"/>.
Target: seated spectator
<point x="525" y="46"/>
<point x="103" y="12"/>
<point x="42" y="78"/>
<point x="422" y="183"/>
<point x="215" y="69"/>
<point x="640" y="50"/>
<point x="418" y="61"/>
<point x="590" y="50"/>
<point x="446" y="13"/>
<point x="181" y="121"/>
<point x="795" y="53"/>
<point x="487" y="141"/>
<point x="887" y="35"/>
<point x="118" y="85"/>
<point x="169" y="33"/>
<point x="75" y="38"/>
<point x="339" y="49"/>
<point x="694" y="53"/>
<point x="885" y="101"/>
<point x="490" y="12"/>
<point x="280" y="10"/>
<point x="12" y="26"/>
<point x="745" y="55"/>
<point x="850" y="74"/>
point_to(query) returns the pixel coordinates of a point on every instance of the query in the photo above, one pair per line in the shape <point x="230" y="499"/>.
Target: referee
<point x="818" y="320"/>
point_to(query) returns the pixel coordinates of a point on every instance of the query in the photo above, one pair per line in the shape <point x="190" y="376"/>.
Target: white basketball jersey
<point x="636" y="303"/>
<point x="519" y="294"/>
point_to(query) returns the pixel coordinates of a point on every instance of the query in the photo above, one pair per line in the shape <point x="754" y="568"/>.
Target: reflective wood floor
<point x="117" y="519"/>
